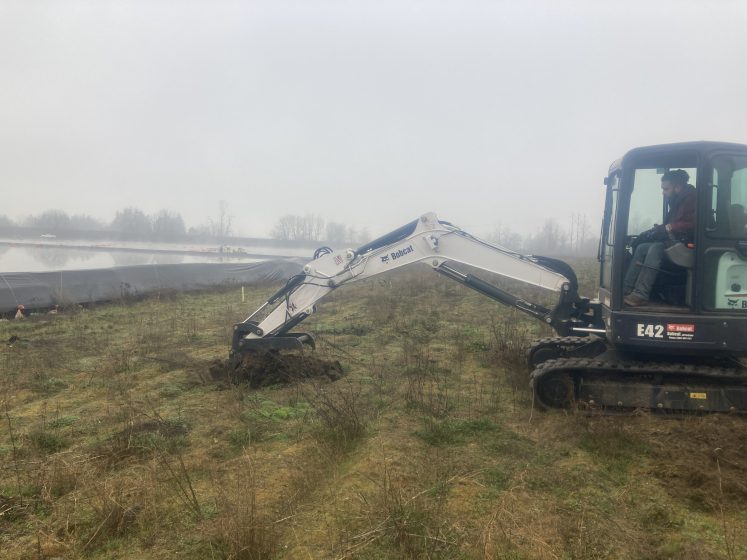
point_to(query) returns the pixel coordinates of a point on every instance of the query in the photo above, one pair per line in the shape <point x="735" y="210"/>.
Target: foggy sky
<point x="366" y="113"/>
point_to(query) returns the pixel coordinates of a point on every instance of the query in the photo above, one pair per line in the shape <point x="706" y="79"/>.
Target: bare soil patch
<point x="274" y="368"/>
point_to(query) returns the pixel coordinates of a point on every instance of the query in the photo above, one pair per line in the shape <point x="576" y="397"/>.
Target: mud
<point x="274" y="368"/>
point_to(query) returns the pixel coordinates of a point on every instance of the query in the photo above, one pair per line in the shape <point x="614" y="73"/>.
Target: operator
<point x="678" y="224"/>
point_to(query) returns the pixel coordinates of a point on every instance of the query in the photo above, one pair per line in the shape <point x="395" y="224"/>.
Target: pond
<point x="28" y="256"/>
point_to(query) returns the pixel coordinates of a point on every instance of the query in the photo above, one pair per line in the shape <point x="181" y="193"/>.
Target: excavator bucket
<point x="290" y="341"/>
<point x="241" y="345"/>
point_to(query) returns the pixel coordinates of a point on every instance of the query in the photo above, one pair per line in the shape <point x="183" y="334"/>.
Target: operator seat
<point x="737" y="220"/>
<point x="683" y="256"/>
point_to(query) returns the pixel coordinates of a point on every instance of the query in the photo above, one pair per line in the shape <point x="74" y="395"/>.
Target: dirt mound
<point x="273" y="368"/>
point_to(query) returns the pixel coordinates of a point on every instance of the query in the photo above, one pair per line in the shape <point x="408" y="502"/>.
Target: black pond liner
<point x="43" y="290"/>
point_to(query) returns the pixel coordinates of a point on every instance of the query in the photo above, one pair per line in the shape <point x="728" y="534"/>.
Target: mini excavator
<point x="681" y="351"/>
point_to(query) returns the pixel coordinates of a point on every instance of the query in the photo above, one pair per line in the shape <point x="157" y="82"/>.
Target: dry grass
<point x="115" y="442"/>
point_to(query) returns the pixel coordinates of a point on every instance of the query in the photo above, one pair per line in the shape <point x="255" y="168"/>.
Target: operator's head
<point x="674" y="182"/>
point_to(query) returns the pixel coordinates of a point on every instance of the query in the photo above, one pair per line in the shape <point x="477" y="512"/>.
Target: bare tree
<point x="220" y="227"/>
<point x="550" y="239"/>
<point x="84" y="222"/>
<point x="132" y="222"/>
<point x="52" y="220"/>
<point x="284" y="228"/>
<point x="336" y="233"/>
<point x="168" y="225"/>
<point x="299" y="228"/>
<point x="506" y="237"/>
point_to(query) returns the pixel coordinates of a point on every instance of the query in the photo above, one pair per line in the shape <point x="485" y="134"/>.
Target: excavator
<point x="682" y="351"/>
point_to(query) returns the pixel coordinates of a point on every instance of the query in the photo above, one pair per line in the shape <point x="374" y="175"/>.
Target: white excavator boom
<point x="425" y="240"/>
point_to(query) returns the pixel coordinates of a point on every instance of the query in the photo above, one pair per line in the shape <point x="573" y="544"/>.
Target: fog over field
<point x="363" y="113"/>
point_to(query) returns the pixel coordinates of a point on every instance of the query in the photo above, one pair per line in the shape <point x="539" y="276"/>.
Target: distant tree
<point x="50" y="220"/>
<point x="5" y="221"/>
<point x="168" y="225"/>
<point x="202" y="231"/>
<point x="351" y="235"/>
<point x="506" y="237"/>
<point x="578" y="233"/>
<point x="284" y="228"/>
<point x="132" y="223"/>
<point x="336" y="233"/>
<point x="298" y="228"/>
<point x="220" y="227"/>
<point x="84" y="222"/>
<point x="551" y="239"/>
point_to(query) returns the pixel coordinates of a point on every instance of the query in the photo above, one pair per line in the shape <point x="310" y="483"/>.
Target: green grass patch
<point x="616" y="451"/>
<point x="63" y="421"/>
<point x="48" y="385"/>
<point x="47" y="441"/>
<point x="497" y="478"/>
<point x="444" y="432"/>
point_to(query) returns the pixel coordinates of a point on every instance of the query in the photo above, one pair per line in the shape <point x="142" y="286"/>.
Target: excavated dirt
<point x="274" y="368"/>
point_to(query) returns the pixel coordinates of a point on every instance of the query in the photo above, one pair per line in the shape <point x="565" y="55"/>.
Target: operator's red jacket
<point x="681" y="215"/>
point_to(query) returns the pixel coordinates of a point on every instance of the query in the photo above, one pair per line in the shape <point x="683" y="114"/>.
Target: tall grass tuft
<point x="342" y="412"/>
<point x="241" y="532"/>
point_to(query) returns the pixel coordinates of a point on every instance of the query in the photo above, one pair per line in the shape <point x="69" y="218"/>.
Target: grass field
<point x="115" y="442"/>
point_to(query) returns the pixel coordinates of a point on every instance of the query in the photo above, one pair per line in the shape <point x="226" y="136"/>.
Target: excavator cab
<point x="681" y="350"/>
<point x="698" y="304"/>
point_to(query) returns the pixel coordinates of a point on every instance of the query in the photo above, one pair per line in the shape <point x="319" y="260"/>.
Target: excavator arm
<point x="428" y="240"/>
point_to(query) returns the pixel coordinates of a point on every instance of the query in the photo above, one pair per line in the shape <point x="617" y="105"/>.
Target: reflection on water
<point x="130" y="259"/>
<point x="54" y="259"/>
<point x="42" y="259"/>
<point x="166" y="258"/>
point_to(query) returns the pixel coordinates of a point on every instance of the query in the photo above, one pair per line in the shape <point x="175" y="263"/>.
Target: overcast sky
<point x="366" y="113"/>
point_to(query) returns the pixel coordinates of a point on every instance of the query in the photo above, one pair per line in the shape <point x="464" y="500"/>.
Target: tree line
<point x="312" y="227"/>
<point x="575" y="237"/>
<point x="128" y="223"/>
<point x="553" y="238"/>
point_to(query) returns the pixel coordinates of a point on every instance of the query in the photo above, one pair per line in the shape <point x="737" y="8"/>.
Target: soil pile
<point x="274" y="368"/>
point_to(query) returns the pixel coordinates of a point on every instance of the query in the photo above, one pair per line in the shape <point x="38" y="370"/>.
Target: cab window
<point x="646" y="202"/>
<point x="729" y="198"/>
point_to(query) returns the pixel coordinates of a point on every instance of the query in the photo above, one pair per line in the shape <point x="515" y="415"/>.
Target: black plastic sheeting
<point x="42" y="290"/>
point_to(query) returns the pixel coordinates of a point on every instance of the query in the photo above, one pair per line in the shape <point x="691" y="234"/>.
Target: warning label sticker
<point x="680" y="331"/>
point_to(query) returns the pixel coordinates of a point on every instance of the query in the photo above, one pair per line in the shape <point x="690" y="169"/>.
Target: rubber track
<point x="564" y="344"/>
<point x="581" y="367"/>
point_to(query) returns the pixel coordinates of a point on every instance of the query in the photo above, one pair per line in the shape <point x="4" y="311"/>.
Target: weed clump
<point x="242" y="531"/>
<point x="405" y="522"/>
<point x="47" y="442"/>
<point x="141" y="438"/>
<point x="342" y="415"/>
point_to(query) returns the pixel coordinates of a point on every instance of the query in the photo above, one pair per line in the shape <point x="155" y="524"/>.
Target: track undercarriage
<point x="571" y="371"/>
